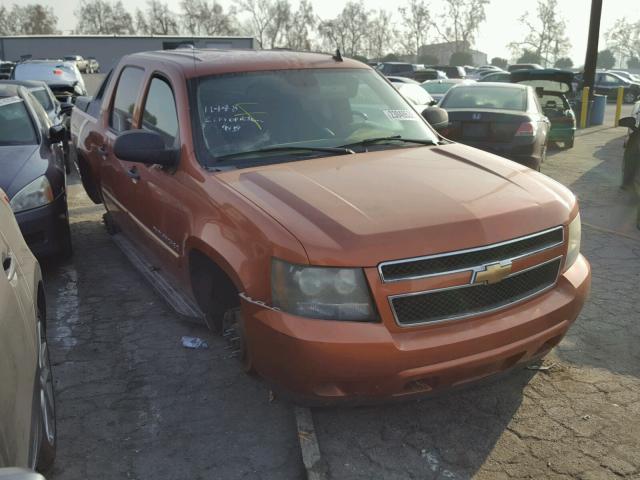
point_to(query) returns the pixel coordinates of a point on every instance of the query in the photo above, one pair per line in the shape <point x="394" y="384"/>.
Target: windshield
<point x="437" y="87"/>
<point x="495" y="98"/>
<point x="16" y="127"/>
<point x="306" y="108"/>
<point x="43" y="98"/>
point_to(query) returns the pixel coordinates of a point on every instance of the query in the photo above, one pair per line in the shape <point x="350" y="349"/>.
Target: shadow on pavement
<point x="131" y="401"/>
<point x="448" y="436"/>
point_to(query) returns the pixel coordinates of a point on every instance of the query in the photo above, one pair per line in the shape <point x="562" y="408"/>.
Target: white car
<point x="417" y="96"/>
<point x="27" y="407"/>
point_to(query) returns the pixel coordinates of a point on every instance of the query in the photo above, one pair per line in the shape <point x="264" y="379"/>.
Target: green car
<point x="552" y="86"/>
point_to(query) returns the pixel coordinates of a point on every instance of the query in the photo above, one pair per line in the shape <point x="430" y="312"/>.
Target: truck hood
<point x="359" y="210"/>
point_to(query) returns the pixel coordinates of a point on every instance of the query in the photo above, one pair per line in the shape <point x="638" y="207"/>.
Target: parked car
<point x="27" y="405"/>
<point x="79" y="60"/>
<point x="632" y="77"/>
<point x="394" y="79"/>
<point x="502" y="118"/>
<point x="501" y="77"/>
<point x="631" y="157"/>
<point x="437" y="88"/>
<point x="553" y="86"/>
<point x="524" y="66"/>
<point x="290" y="195"/>
<point x="408" y="70"/>
<point x="5" y="69"/>
<point x="33" y="171"/>
<point x="451" y="72"/>
<point x="94" y="65"/>
<point x="607" y="83"/>
<point x="64" y="78"/>
<point x="417" y="96"/>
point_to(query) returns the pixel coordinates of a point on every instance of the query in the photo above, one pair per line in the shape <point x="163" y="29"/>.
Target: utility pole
<point x="592" y="46"/>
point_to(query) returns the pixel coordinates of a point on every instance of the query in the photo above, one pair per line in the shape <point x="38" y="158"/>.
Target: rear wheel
<point x="629" y="97"/>
<point x="569" y="143"/>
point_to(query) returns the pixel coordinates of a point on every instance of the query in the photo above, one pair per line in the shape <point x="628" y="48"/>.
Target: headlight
<point x="573" y="248"/>
<point x="321" y="292"/>
<point x="36" y="194"/>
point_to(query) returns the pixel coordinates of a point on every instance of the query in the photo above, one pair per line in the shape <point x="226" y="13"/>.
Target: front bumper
<point x="327" y="361"/>
<point x="43" y="228"/>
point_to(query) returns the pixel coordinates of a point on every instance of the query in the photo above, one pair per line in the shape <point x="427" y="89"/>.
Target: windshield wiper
<point x="334" y="150"/>
<point x="393" y="138"/>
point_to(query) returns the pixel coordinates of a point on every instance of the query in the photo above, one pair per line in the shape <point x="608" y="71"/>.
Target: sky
<point x="500" y="28"/>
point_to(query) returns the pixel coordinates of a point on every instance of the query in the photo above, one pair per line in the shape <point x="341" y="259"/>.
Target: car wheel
<point x="569" y="143"/>
<point x="629" y="97"/>
<point x="45" y="402"/>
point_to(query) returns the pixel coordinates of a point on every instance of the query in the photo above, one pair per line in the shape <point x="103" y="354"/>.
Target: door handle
<point x="9" y="266"/>
<point x="133" y="174"/>
<point x="102" y="151"/>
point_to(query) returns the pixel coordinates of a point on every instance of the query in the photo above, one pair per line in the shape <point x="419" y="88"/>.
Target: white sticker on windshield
<point x="9" y="100"/>
<point x="402" y="115"/>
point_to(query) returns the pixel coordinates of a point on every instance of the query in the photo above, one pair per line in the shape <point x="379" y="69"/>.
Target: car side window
<point x="121" y="116"/>
<point x="611" y="79"/>
<point x="160" y="114"/>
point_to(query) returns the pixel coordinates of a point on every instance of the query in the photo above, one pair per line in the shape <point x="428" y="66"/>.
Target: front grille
<point x="467" y="259"/>
<point x="457" y="302"/>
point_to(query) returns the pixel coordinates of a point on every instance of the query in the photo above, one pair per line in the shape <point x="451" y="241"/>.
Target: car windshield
<point x="16" y="127"/>
<point x="43" y="98"/>
<point x="306" y="108"/>
<point x="437" y="87"/>
<point x="490" y="97"/>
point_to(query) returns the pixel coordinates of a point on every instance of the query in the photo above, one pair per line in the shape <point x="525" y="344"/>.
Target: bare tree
<point x="159" y="20"/>
<point x="103" y="17"/>
<point x="546" y="37"/>
<point x="381" y="34"/>
<point x="32" y="19"/>
<point x="299" y="32"/>
<point x="417" y="20"/>
<point x="259" y="19"/>
<point x="280" y="22"/>
<point x="461" y="22"/>
<point x="201" y="17"/>
<point x="348" y="30"/>
<point x="624" y="38"/>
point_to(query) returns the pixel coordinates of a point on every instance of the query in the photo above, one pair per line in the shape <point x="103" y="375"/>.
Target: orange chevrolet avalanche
<point x="300" y="199"/>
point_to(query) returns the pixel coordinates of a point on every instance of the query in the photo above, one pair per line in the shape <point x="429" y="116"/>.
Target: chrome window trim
<point x="471" y="285"/>
<point x="468" y="250"/>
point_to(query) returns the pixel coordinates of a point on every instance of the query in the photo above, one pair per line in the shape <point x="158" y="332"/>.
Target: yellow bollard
<point x="584" y="107"/>
<point x="619" y="105"/>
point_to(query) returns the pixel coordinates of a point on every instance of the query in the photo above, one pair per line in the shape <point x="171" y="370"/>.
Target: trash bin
<point x="578" y="108"/>
<point x="597" y="110"/>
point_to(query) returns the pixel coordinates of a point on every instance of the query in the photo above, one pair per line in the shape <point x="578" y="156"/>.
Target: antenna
<point x="337" y="56"/>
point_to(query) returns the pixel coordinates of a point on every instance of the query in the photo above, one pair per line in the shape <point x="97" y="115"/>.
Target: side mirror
<point x="143" y="146"/>
<point x="66" y="108"/>
<point x="433" y="102"/>
<point x="57" y="133"/>
<point x="628" y="122"/>
<point x="437" y="117"/>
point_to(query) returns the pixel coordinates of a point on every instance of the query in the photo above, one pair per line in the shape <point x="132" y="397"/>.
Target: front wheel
<point x="44" y="427"/>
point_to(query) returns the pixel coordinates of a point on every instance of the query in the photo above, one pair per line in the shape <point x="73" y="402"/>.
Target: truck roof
<point x="196" y="62"/>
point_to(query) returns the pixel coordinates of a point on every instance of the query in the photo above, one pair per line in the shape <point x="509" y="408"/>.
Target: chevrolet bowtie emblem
<point x="493" y="273"/>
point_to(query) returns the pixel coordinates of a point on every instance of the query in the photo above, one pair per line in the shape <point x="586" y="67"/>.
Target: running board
<point x="179" y="302"/>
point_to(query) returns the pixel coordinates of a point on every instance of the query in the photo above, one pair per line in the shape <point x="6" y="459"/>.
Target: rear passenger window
<point x="160" y="114"/>
<point x="121" y="117"/>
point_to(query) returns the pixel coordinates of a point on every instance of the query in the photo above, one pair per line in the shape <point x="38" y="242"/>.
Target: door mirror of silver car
<point x="57" y="133"/>
<point x="19" y="474"/>
<point x="143" y="146"/>
<point x="437" y="117"/>
<point x="66" y="108"/>
<point x="628" y="122"/>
